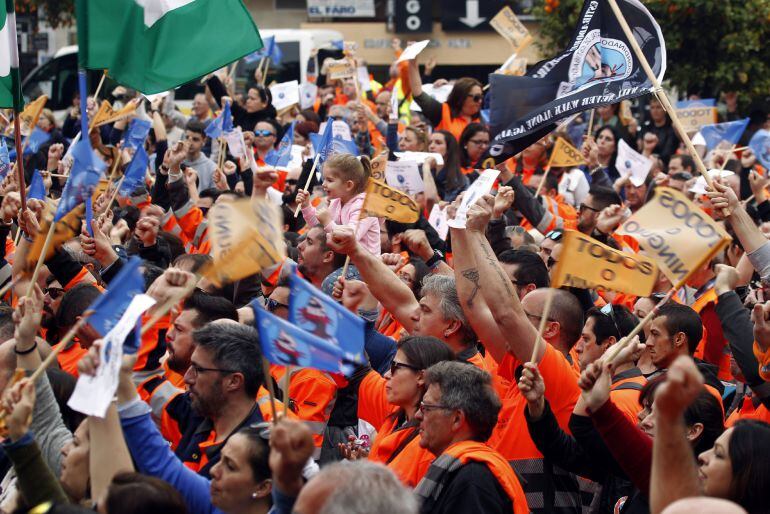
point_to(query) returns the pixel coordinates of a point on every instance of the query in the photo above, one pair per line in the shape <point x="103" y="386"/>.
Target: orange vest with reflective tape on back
<point x="708" y="297"/>
<point x="472" y="451"/>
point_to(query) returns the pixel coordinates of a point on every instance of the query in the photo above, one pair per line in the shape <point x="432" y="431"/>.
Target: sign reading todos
<point x="676" y="233"/>
<point x="588" y="264"/>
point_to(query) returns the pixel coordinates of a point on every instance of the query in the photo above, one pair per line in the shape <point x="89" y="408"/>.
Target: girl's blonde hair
<point x="350" y="167"/>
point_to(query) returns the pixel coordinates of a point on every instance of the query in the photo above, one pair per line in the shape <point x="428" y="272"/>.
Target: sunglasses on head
<point x="607" y="310"/>
<point x="554" y="235"/>
<point x="476" y="98"/>
<point x="273" y="305"/>
<point x="263" y="133"/>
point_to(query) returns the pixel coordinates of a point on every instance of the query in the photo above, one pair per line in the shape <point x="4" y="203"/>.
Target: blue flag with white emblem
<point x="316" y="312"/>
<point x="36" y="186"/>
<point x="135" y="172"/>
<point x="730" y="131"/>
<point x="137" y="132"/>
<point x="282" y="155"/>
<point x="5" y="160"/>
<point x="270" y="49"/>
<point x="221" y="124"/>
<point x="86" y="171"/>
<point x="110" y="306"/>
<point x="286" y="345"/>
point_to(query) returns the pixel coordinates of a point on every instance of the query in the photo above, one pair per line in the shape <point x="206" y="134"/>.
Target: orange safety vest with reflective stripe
<point x="558" y="208"/>
<point x="312" y="395"/>
<point x="194" y="226"/>
<point x="472" y="451"/>
<point x="625" y="391"/>
<point x="708" y="298"/>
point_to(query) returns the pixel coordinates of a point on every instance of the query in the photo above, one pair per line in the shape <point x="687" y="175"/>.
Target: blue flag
<point x="322" y="144"/>
<point x="35" y="140"/>
<point x="110" y="306"/>
<point x="133" y="177"/>
<point x="5" y="160"/>
<point x="89" y="216"/>
<point x="336" y="145"/>
<point x="287" y="345"/>
<point x="317" y="313"/>
<point x="36" y="186"/>
<point x="267" y="50"/>
<point x="282" y="155"/>
<point x="338" y="44"/>
<point x="760" y="145"/>
<point x="86" y="171"/>
<point x="718" y="132"/>
<point x="221" y="124"/>
<point x="136" y="134"/>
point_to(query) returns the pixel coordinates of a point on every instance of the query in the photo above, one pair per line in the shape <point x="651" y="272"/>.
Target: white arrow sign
<point x="472" y="18"/>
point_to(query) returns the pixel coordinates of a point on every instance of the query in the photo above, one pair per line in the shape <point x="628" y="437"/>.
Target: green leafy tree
<point x="712" y="46"/>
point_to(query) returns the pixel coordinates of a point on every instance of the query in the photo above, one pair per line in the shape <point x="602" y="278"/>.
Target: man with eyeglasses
<point x="457" y="414"/>
<point x="223" y="379"/>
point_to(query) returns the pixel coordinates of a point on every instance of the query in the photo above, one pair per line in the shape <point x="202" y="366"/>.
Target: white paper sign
<point x="285" y="94"/>
<point x="631" y="163"/>
<point x="394" y="106"/>
<point x="699" y="187"/>
<point x="363" y="78"/>
<point x="413" y="50"/>
<point x="419" y="157"/>
<point x="93" y="394"/>
<point x="479" y="188"/>
<point x="438" y="220"/>
<point x="440" y="94"/>
<point x="235" y="142"/>
<point x="340" y="129"/>
<point x="404" y="176"/>
<point x="307" y="94"/>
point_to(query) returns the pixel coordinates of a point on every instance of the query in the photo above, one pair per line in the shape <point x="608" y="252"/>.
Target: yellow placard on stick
<point x="106" y="114"/>
<point x="693" y="118"/>
<point x="564" y="154"/>
<point x="378" y="166"/>
<point x="676" y="233"/>
<point x="588" y="264"/>
<point x="29" y="116"/>
<point x="341" y="70"/>
<point x="246" y="236"/>
<point x="511" y="28"/>
<point x="385" y="202"/>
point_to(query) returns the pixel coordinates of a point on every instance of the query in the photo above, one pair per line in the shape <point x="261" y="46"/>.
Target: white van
<point x="57" y="78"/>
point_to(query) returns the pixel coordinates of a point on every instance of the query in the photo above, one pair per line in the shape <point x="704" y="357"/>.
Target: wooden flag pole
<point x="539" y="342"/>
<point x="20" y="159"/>
<point x="547" y="170"/>
<point x="114" y="195"/>
<point x="662" y="96"/>
<point x="591" y="123"/>
<point x="59" y="347"/>
<point x="307" y="182"/>
<point x="286" y="383"/>
<point x="6" y="288"/>
<point x="727" y="157"/>
<point x="264" y="73"/>
<point x="41" y="259"/>
<point x="99" y="87"/>
<point x="270" y="388"/>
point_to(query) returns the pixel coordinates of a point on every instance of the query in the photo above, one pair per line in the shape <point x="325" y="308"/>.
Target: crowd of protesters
<point x="452" y="412"/>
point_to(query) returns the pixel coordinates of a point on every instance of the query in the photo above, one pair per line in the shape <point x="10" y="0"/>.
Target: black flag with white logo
<point x="598" y="68"/>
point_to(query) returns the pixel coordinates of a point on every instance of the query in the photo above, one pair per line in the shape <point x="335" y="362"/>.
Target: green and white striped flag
<point x="157" y="45"/>
<point x="10" y="86"/>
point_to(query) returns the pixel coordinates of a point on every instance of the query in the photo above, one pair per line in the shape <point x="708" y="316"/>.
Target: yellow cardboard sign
<point x="693" y="118"/>
<point x="564" y="154"/>
<point x="341" y="70"/>
<point x="508" y="25"/>
<point x="106" y="114"/>
<point x="385" y="202"/>
<point x="588" y="264"/>
<point x="31" y="113"/>
<point x="246" y="236"/>
<point x="378" y="166"/>
<point x="676" y="233"/>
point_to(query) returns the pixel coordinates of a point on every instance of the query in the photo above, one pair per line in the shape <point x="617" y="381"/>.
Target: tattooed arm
<point x="496" y="287"/>
<point x="474" y="306"/>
